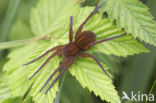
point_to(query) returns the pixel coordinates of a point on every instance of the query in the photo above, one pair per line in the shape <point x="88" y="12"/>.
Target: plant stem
<point x="151" y="89"/>
<point x="12" y="44"/>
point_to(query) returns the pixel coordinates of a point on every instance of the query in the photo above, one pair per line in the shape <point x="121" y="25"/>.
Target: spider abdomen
<point x="70" y="49"/>
<point x="85" y="38"/>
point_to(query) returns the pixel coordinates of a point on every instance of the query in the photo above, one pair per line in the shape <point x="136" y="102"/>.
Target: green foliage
<point x="103" y="28"/>
<point x="3" y="5"/>
<point x="13" y="68"/>
<point x="77" y="92"/>
<point x="90" y="76"/>
<point x="28" y="99"/>
<point x="13" y="100"/>
<point x="52" y="17"/>
<point x="122" y="46"/>
<point x="20" y="84"/>
<point x="43" y="76"/>
<point x="79" y="1"/>
<point x="20" y="30"/>
<point x="4" y="90"/>
<point x="134" y="17"/>
<point x="49" y="15"/>
<point x="89" y="2"/>
<point x="8" y="20"/>
<point x="111" y="61"/>
<point x="142" y="64"/>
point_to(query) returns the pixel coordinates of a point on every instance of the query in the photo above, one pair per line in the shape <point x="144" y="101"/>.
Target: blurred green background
<point x="135" y="73"/>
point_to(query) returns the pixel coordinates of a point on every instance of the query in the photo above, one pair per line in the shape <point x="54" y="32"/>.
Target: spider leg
<point x="90" y="15"/>
<point x="106" y="39"/>
<point x="103" y="40"/>
<point x="90" y="56"/>
<point x="70" y="62"/>
<point x="55" y="48"/>
<point x="54" y="54"/>
<point x="61" y="66"/>
<point x="71" y="29"/>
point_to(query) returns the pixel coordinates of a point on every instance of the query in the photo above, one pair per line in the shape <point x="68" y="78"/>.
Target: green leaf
<point x="134" y="17"/>
<point x="89" y="2"/>
<point x="20" y="30"/>
<point x="123" y="46"/>
<point x="13" y="100"/>
<point x="4" y="89"/>
<point x="50" y="15"/>
<point x="76" y="91"/>
<point x="103" y="28"/>
<point x="111" y="61"/>
<point x="79" y="1"/>
<point x="28" y="99"/>
<point x="43" y="76"/>
<point x="57" y="100"/>
<point x="20" y="84"/>
<point x="91" y="76"/>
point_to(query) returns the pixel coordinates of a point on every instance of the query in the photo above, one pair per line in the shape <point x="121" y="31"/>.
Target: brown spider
<point x="83" y="41"/>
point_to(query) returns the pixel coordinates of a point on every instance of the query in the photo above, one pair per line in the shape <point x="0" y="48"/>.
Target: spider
<point x="72" y="50"/>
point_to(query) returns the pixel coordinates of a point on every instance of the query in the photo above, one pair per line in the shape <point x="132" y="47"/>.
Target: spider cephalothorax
<point x="83" y="40"/>
<point x="78" y="46"/>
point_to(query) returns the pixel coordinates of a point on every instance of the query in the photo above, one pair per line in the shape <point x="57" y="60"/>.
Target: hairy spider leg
<point x="106" y="39"/>
<point x="90" y="15"/>
<point x="70" y="62"/>
<point x="71" y="29"/>
<point x="47" y="60"/>
<point x="103" y="40"/>
<point x="61" y="66"/>
<point x="55" y="48"/>
<point x="90" y="56"/>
